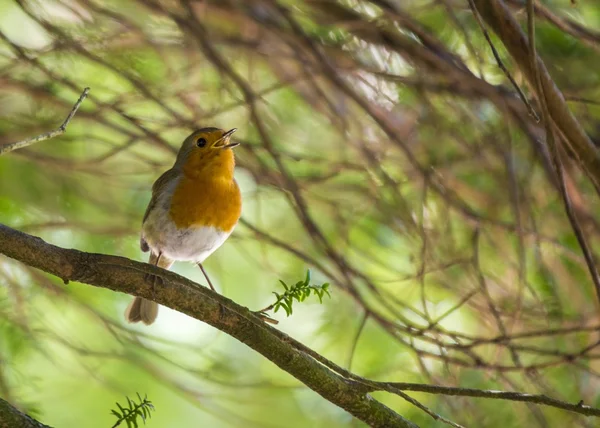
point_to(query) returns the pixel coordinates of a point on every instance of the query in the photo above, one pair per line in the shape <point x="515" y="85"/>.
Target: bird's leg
<point x="221" y="308"/>
<point x="206" y="276"/>
<point x="153" y="279"/>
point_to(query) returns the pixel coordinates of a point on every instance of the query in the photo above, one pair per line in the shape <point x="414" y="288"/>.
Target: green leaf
<point x="320" y="296"/>
<point x="287" y="307"/>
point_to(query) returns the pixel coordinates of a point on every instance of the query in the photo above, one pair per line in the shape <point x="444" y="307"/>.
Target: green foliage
<point x="130" y="415"/>
<point x="299" y="291"/>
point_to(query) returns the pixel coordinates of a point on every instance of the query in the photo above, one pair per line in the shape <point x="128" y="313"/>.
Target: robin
<point x="195" y="206"/>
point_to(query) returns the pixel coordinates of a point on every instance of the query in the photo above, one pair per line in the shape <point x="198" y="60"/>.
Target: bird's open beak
<point x="224" y="143"/>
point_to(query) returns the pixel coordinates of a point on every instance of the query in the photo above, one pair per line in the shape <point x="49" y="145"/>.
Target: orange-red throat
<point x="217" y="164"/>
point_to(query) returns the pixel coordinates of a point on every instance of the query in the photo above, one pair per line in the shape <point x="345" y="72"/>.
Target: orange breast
<point x="212" y="202"/>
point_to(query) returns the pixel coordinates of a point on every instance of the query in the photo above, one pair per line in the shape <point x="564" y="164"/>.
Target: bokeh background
<point x="382" y="147"/>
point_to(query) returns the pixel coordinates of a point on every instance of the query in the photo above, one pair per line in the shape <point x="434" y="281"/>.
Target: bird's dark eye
<point x="201" y="142"/>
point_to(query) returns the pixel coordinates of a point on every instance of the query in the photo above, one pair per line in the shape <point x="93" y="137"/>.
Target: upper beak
<point x="225" y="138"/>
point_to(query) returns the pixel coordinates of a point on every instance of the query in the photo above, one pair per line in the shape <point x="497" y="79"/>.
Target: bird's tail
<point x="145" y="310"/>
<point x="141" y="310"/>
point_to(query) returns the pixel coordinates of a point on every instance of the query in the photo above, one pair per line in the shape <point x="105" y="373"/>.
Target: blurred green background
<point x="369" y="154"/>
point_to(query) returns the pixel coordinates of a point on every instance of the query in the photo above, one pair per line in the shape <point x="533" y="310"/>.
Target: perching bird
<point x="194" y="208"/>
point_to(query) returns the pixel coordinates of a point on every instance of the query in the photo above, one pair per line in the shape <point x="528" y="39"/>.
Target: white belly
<point x="192" y="244"/>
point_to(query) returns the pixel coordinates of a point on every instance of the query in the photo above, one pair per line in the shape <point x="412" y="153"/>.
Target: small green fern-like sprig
<point x="299" y="292"/>
<point x="130" y="415"/>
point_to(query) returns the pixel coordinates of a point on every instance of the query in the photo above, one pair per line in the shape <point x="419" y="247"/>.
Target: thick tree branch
<point x="10" y="417"/>
<point x="181" y="294"/>
<point x="332" y="382"/>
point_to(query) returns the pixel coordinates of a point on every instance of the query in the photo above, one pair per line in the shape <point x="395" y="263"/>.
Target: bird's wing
<point x="157" y="188"/>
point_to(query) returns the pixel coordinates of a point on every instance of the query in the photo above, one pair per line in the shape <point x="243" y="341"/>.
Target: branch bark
<point x="11" y="417"/>
<point x="127" y="276"/>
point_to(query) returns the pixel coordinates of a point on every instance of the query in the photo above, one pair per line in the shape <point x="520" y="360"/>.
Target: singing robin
<point x="195" y="206"/>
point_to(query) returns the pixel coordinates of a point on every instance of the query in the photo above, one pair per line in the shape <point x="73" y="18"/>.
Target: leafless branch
<point x="6" y="148"/>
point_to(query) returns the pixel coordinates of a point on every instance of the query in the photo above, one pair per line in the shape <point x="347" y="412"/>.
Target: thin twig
<point x="47" y="135"/>
<point x="427" y="410"/>
<point x="578" y="407"/>
<point x="361" y="327"/>
<point x="575" y="99"/>
<point x="530" y="109"/>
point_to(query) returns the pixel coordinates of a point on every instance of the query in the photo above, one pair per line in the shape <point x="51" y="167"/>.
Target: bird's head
<point x="207" y="151"/>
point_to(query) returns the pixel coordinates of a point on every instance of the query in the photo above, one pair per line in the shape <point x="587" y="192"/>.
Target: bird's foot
<point x="153" y="280"/>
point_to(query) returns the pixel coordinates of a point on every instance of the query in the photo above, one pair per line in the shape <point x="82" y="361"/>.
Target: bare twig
<point x="361" y="326"/>
<point x="578" y="407"/>
<point x="6" y="148"/>
<point x="427" y="410"/>
<point x="500" y="63"/>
